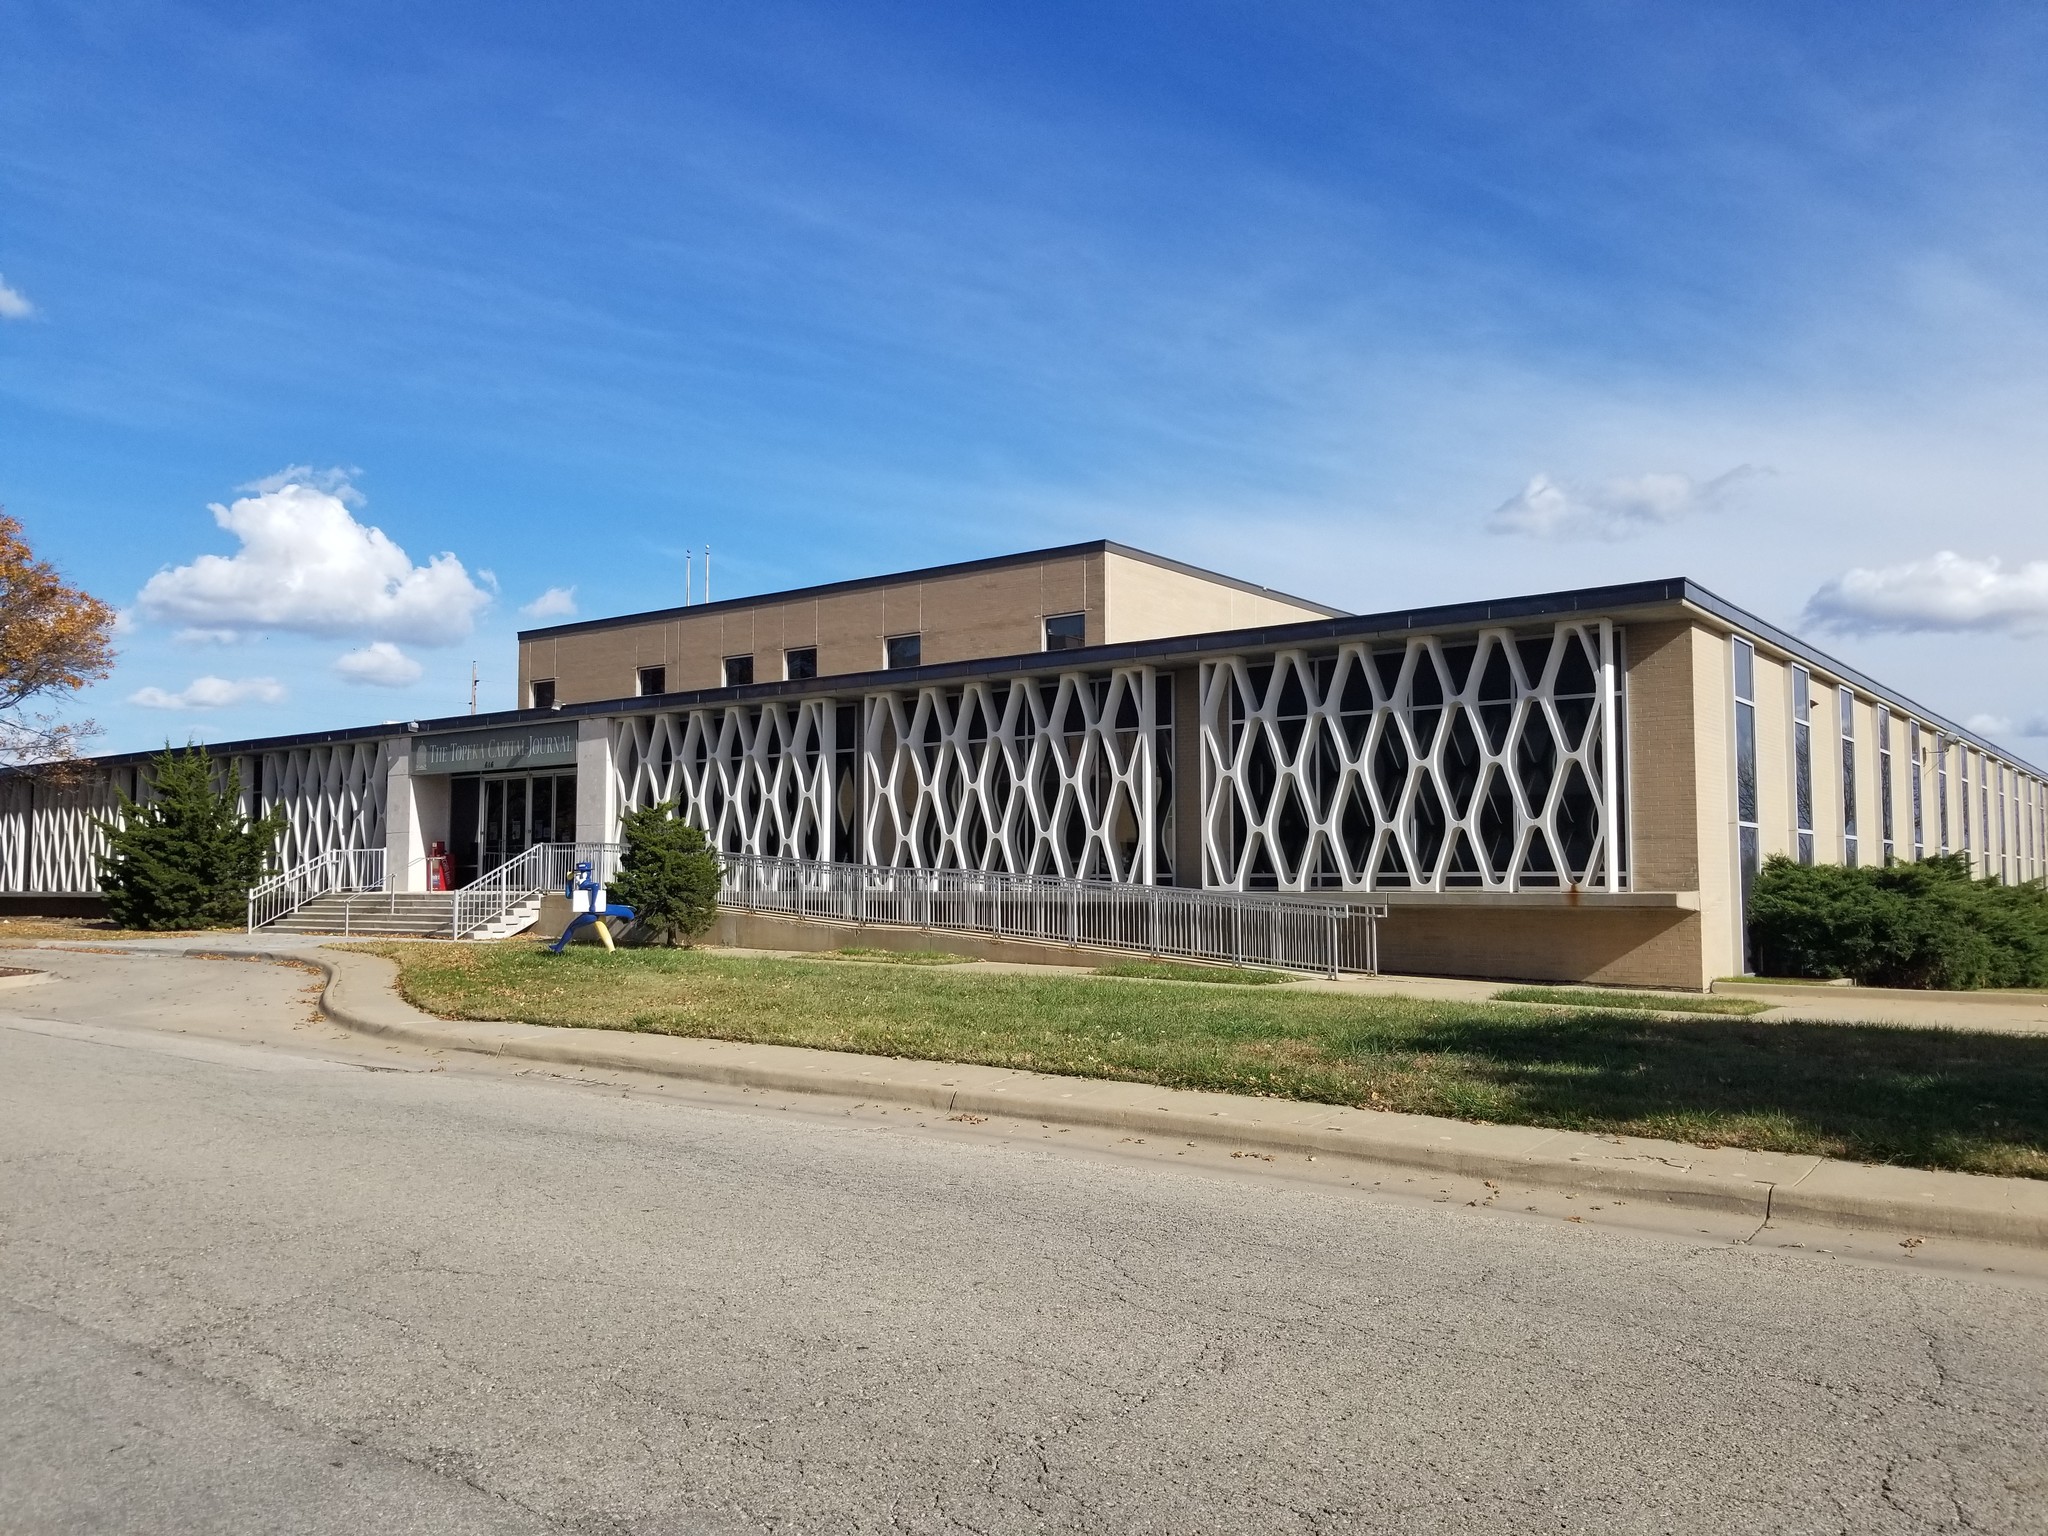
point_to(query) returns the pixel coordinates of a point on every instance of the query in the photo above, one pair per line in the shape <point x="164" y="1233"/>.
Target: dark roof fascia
<point x="1783" y="640"/>
<point x="1675" y="593"/>
<point x="903" y="578"/>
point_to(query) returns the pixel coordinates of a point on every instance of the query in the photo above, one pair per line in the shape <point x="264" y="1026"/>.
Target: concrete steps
<point x="398" y="914"/>
<point x="378" y="914"/>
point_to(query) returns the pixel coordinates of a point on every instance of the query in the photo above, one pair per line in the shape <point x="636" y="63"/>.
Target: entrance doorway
<point x="493" y="818"/>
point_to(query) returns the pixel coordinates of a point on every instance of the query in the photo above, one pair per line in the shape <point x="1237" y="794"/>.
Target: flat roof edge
<point x="1671" y="592"/>
<point x="922" y="573"/>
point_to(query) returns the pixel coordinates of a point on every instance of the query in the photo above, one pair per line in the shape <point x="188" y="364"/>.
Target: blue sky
<point x="1384" y="304"/>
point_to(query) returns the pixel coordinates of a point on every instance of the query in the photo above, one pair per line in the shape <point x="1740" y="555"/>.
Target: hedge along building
<point x="1569" y="786"/>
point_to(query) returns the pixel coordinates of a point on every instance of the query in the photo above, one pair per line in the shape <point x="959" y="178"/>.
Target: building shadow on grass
<point x="1932" y="1097"/>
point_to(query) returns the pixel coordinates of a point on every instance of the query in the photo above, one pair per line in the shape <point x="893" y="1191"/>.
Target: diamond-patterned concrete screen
<point x="332" y="794"/>
<point x="757" y="779"/>
<point x="1484" y="762"/>
<point x="1061" y="775"/>
<point x="49" y="833"/>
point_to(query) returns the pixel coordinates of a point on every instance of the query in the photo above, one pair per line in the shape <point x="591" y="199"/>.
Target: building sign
<point x="531" y="746"/>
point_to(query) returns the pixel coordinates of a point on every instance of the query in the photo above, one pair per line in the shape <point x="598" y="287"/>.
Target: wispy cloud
<point x="1947" y="591"/>
<point x="307" y="565"/>
<point x="379" y="664"/>
<point x="14" y="304"/>
<point x="555" y="603"/>
<point x="1614" y="509"/>
<point x="212" y="693"/>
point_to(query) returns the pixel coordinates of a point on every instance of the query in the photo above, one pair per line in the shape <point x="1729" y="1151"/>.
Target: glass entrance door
<point x="496" y="818"/>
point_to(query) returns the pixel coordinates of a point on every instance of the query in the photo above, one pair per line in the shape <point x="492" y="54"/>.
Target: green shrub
<point x="187" y="858"/>
<point x="668" y="874"/>
<point x="1906" y="925"/>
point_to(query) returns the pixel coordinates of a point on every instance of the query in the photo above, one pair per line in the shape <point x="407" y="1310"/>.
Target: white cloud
<point x="379" y="664"/>
<point x="555" y="603"/>
<point x="306" y="564"/>
<point x="213" y="693"/>
<point x="1614" y="509"/>
<point x="14" y="304"/>
<point x="1945" y="592"/>
<point x="1989" y="725"/>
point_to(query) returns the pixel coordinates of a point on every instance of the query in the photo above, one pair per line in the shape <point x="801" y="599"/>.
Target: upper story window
<point x="1941" y="787"/>
<point x="1748" y="849"/>
<point x="540" y="693"/>
<point x="800" y="664"/>
<point x="739" y="671"/>
<point x="1066" y="631"/>
<point x="1913" y="758"/>
<point x="1886" y="821"/>
<point x="1802" y="763"/>
<point x="653" y="680"/>
<point x="1847" y="701"/>
<point x="903" y="651"/>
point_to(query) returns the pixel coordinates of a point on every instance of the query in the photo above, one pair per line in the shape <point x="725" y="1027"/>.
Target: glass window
<point x="1847" y="702"/>
<point x="1963" y="799"/>
<point x="800" y="664"/>
<point x="1066" y="631"/>
<point x="1920" y="818"/>
<point x="903" y="651"/>
<point x="1886" y="820"/>
<point x="1802" y="762"/>
<point x="653" y="680"/>
<point x="739" y="671"/>
<point x="1941" y="788"/>
<point x="541" y="693"/>
<point x="1748" y="843"/>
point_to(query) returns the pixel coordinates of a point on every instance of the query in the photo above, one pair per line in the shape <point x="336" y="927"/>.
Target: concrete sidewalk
<point x="360" y="994"/>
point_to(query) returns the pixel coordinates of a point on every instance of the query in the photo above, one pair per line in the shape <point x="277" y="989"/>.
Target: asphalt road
<point x="259" y="1276"/>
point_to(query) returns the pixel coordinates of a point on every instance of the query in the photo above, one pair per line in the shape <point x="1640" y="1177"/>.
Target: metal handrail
<point x="540" y="868"/>
<point x="1239" y="927"/>
<point x="338" y="869"/>
<point x="1294" y="932"/>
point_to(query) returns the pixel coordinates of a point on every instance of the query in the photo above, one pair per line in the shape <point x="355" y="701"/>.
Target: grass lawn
<point x="892" y="956"/>
<point x="1636" y="1002"/>
<point x="1931" y="1098"/>
<point x="1176" y="970"/>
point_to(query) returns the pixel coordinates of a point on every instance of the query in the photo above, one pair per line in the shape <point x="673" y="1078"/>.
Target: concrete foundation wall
<point x="1629" y="946"/>
<point x="1637" y="947"/>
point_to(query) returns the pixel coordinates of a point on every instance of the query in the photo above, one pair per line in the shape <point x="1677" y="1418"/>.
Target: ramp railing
<point x="338" y="869"/>
<point x="541" y="868"/>
<point x="1244" y="928"/>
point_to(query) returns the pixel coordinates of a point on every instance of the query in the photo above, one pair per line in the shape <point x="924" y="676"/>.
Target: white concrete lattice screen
<point x="1480" y="762"/>
<point x="1038" y="775"/>
<point x="332" y="794"/>
<point x="757" y="780"/>
<point x="49" y="840"/>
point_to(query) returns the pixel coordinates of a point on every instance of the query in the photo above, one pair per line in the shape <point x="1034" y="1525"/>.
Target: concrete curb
<point x="360" y="994"/>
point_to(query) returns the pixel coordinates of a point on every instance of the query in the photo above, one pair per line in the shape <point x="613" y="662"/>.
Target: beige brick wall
<point x="1629" y="946"/>
<point x="1681" y="793"/>
<point x="994" y="611"/>
<point x="990" y="612"/>
<point x="1147" y="602"/>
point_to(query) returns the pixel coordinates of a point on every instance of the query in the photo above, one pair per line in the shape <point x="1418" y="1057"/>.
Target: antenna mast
<point x="472" y="687"/>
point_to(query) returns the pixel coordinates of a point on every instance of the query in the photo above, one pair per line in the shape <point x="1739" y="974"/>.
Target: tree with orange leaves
<point x="54" y="640"/>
